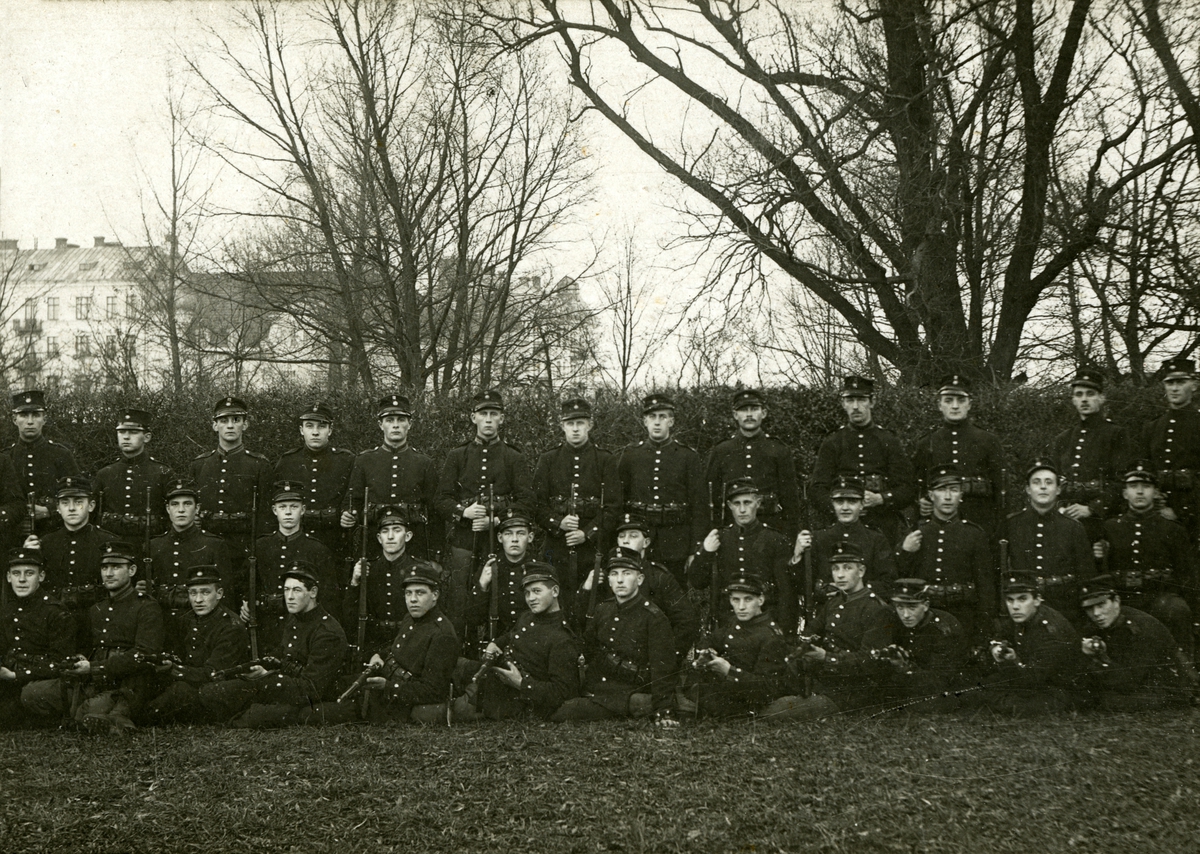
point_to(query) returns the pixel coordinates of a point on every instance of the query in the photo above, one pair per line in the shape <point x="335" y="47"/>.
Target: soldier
<point x="386" y="605"/>
<point x="567" y="485"/>
<point x="744" y="668"/>
<point x="39" y="463"/>
<point x="484" y="471"/>
<point x="125" y="626"/>
<point x="953" y="555"/>
<point x="660" y="586"/>
<point x="413" y="682"/>
<point x="1052" y="546"/>
<point x="977" y="454"/>
<point x="506" y="570"/>
<point x="311" y="651"/>
<point x="228" y="479"/>
<point x="862" y="449"/>
<point x="323" y="473"/>
<point x="396" y="474"/>
<point x="1172" y="444"/>
<point x="1150" y="558"/>
<point x="1091" y="455"/>
<point x="630" y="656"/>
<point x="661" y="480"/>
<point x="1037" y="656"/>
<point x="211" y="638"/>
<point x="748" y="547"/>
<point x="534" y="667"/>
<point x="1131" y="662"/>
<point x="121" y="488"/>
<point x="751" y="453"/>
<point x="848" y="529"/>
<point x="36" y="636"/>
<point x="847" y="626"/>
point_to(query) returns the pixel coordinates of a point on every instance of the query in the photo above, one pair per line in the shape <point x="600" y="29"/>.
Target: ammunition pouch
<point x="874" y="483"/>
<point x="978" y="487"/>
<point x="1176" y="479"/>
<point x="660" y="514"/>
<point x="79" y="598"/>
<point x="1082" y="491"/>
<point x="220" y="522"/>
<point x="952" y="595"/>
<point x="1137" y="580"/>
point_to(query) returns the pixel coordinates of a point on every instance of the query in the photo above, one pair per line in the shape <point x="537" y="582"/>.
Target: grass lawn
<point x="1103" y="783"/>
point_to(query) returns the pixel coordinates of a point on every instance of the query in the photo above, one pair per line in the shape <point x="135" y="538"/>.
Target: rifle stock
<point x="361" y="639"/>
<point x="252" y="564"/>
<point x="146" y="559"/>
<point x="597" y="565"/>
<point x="494" y="590"/>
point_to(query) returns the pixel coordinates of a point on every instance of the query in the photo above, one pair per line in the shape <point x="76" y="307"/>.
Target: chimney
<point x="99" y="241"/>
<point x="60" y="243"/>
<point x="8" y="245"/>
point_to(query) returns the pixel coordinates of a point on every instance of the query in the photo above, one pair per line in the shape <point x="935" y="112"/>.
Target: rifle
<point x="597" y="566"/>
<point x="489" y="659"/>
<point x="287" y="667"/>
<point x="810" y="593"/>
<point x="714" y="582"/>
<point x="572" y="553"/>
<point x="388" y="667"/>
<point x="252" y="563"/>
<point x="29" y="523"/>
<point x="361" y="640"/>
<point x="146" y="559"/>
<point x="157" y="660"/>
<point x="494" y="591"/>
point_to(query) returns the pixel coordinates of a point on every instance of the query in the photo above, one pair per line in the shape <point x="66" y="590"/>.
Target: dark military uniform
<point x="227" y="481"/>
<point x="13" y="512"/>
<point x="1139" y="668"/>
<point x="1092" y="456"/>
<point x="120" y="490"/>
<point x="36" y="633"/>
<point x="324" y="478"/>
<point x="1172" y="443"/>
<point x="1045" y="675"/>
<point x="385" y="602"/>
<point x="217" y="641"/>
<point x="546" y="651"/>
<point x="39" y="465"/>
<point x="956" y="561"/>
<point x="661" y="588"/>
<point x="174" y="553"/>
<point x="72" y="564"/>
<point x="870" y="543"/>
<point x="756" y="550"/>
<point x="404" y="478"/>
<point x="418" y="667"/>
<point x="1055" y="549"/>
<point x="276" y="554"/>
<point x="936" y="654"/>
<point x="511" y="595"/>
<point x="979" y="458"/>
<point x="756" y="651"/>
<point x="772" y="467"/>
<point x="875" y="457"/>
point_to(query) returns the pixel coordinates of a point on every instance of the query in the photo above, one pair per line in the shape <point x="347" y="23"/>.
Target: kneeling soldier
<point x="533" y="667"/>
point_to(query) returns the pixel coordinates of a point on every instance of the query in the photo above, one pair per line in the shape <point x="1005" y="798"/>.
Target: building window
<point x="31" y="309"/>
<point x="51" y="348"/>
<point x="83" y="308"/>
<point x="110" y="345"/>
<point x="131" y="347"/>
<point x="130" y="304"/>
<point x="82" y="347"/>
<point x="110" y="307"/>
<point x="52" y="308"/>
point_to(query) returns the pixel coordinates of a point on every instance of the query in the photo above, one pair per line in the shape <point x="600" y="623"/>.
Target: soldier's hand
<point x="82" y="667"/>
<point x="719" y="665"/>
<point x="481" y="524"/>
<point x="912" y="543"/>
<point x="376" y="661"/>
<point x="492" y="649"/>
<point x="485" y="574"/>
<point x="41" y="511"/>
<point x="713" y="541"/>
<point x="256" y="672"/>
<point x="244" y="613"/>
<point x="509" y="674"/>
<point x="1098" y="549"/>
<point x="7" y="675"/>
<point x="475" y="512"/>
<point x="1077" y="511"/>
<point x="814" y="653"/>
<point x="872" y="499"/>
<point x="575" y="538"/>
<point x="1169" y="513"/>
<point x="925" y="506"/>
<point x="32" y="542"/>
<point x="348" y="520"/>
<point x="140" y="586"/>
<point x="569" y="523"/>
<point x="357" y="575"/>
<point x="376" y="683"/>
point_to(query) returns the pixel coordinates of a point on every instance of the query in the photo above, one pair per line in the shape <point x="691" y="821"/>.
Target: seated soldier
<point x="836" y="654"/>
<point x="36" y="636"/>
<point x="1036" y="659"/>
<point x="211" y="639"/>
<point x="514" y="534"/>
<point x="747" y="546"/>
<point x="660" y="587"/>
<point x="630" y="654"/>
<point x="743" y="670"/>
<point x="1131" y="662"/>
<point x="126" y="629"/>
<point x="289" y="689"/>
<point x="413" y="682"/>
<point x="846" y="496"/>
<point x="926" y="662"/>
<point x="1150" y="558"/>
<point x="533" y="667"/>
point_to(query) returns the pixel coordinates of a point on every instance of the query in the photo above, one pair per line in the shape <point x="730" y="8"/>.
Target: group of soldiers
<point x="327" y="587"/>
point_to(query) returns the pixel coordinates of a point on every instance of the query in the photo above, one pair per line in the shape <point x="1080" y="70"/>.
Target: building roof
<point x="69" y="263"/>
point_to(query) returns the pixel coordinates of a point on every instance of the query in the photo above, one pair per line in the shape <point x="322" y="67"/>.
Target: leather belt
<point x="660" y="514"/>
<point x="1176" y="478"/>
<point x="949" y="594"/>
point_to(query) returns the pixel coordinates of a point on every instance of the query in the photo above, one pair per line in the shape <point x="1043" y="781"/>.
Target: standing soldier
<point x="1172" y="444"/>
<point x="751" y="453"/>
<point x="1092" y="455"/>
<point x="976" y="454"/>
<point x="846" y="496"/>
<point x="567" y="486"/>
<point x="394" y="474"/>
<point x="661" y="480"/>
<point x="323" y="474"/>
<point x="228" y="479"/>
<point x="486" y="470"/>
<point x="121" y="487"/>
<point x="863" y="450"/>
<point x="39" y="462"/>
<point x="384" y="580"/>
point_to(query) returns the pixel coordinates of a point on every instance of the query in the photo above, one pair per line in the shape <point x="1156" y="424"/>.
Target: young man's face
<point x="749" y="419"/>
<point x="288" y="514"/>
<point x="315" y="433"/>
<point x="1139" y="495"/>
<point x="946" y="499"/>
<point x="847" y="509"/>
<point x="487" y="423"/>
<point x="746" y="606"/>
<point x="911" y="613"/>
<point x="1087" y="401"/>
<point x="576" y="431"/>
<point x="75" y="510"/>
<point x="30" y="424"/>
<point x="1179" y="392"/>
<point x="955" y="407"/>
<point x="634" y="540"/>
<point x="25" y="580"/>
<point x="1022" y="606"/>
<point x="1042" y="489"/>
<point x="298" y="597"/>
<point x="744" y="508"/>
<point x="541" y="597"/>
<point x="848" y="576"/>
<point x="858" y="409"/>
<point x="204" y="598"/>
<point x="230" y="429"/>
<point x="658" y="424"/>
<point x="419" y="599"/>
<point x="182" y="511"/>
<point x="117" y="576"/>
<point x="1105" y="612"/>
<point x="395" y="429"/>
<point x="393" y="538"/>
<point x="625" y="582"/>
<point x="131" y="440"/>
<point x="515" y="541"/>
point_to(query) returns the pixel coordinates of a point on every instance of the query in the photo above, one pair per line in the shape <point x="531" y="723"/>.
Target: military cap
<point x="1020" y="581"/>
<point x="910" y="591"/>
<point x="118" y="551"/>
<point x="1088" y="378"/>
<point x="955" y="384"/>
<point x="943" y="476"/>
<point x="286" y="490"/>
<point x="515" y="519"/>
<point x="203" y="574"/>
<point x="30" y="400"/>
<point x="657" y="401"/>
<point x="74" y="484"/>
<point x="747" y="583"/>
<point x="301" y="571"/>
<point x="575" y="407"/>
<point x="747" y="397"/>
<point x="848" y="552"/>
<point x="133" y="419"/>
<point x="230" y="406"/>
<point x="423" y="572"/>
<point x="393" y="404"/>
<point x="1041" y="464"/>
<point x="855" y="386"/>
<point x="1142" y="472"/>
<point x="1096" y="589"/>
<point x="391" y="514"/>
<point x="741" y="486"/>
<point x="490" y="399"/>
<point x="1178" y="368"/>
<point x="536" y="571"/>
<point x="629" y="522"/>
<point x="181" y="486"/>
<point x="847" y="487"/>
<point x="318" y="410"/>
<point x="621" y="558"/>
<point x="25" y="557"/>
